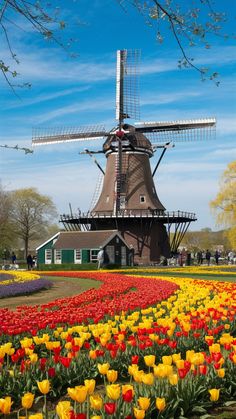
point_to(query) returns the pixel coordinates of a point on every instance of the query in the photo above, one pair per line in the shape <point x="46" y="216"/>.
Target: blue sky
<point x="81" y="91"/>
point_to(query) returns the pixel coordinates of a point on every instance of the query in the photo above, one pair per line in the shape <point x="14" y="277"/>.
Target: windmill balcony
<point x="163" y="216"/>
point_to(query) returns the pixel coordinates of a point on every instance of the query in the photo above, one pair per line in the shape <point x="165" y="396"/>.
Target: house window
<point x="142" y="199"/>
<point x="77" y="256"/>
<point x="48" y="256"/>
<point x="117" y="240"/>
<point x="93" y="255"/>
<point x="57" y="256"/>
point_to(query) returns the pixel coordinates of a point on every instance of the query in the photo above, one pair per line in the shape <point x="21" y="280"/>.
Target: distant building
<point x="83" y="246"/>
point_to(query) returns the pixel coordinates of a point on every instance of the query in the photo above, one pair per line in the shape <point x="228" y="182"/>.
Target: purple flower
<point x="21" y="288"/>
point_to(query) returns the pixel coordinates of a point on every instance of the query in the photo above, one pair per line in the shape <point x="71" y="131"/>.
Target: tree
<point x="43" y="19"/>
<point x="224" y="205"/>
<point x="7" y="235"/>
<point x="32" y="213"/>
<point x="189" y="25"/>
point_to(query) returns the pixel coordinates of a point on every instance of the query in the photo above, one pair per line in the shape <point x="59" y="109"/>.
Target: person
<point x="208" y="257"/>
<point x="217" y="255"/>
<point x="13" y="258"/>
<point x="231" y="257"/>
<point x="34" y="262"/>
<point x="100" y="257"/>
<point x="199" y="258"/>
<point x="29" y="262"/>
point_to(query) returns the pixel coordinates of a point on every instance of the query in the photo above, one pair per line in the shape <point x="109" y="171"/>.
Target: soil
<point x="62" y="287"/>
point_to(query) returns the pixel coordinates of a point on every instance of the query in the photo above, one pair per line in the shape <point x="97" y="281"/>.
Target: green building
<point x="83" y="246"/>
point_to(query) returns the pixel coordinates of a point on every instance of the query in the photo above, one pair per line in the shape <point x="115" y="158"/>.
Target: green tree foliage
<point x="224" y="205"/>
<point x="32" y="213"/>
<point x="7" y="235"/>
<point x="205" y="239"/>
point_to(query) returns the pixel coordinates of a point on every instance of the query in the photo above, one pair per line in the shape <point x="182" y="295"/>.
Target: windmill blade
<point x="127" y="85"/>
<point x="187" y="130"/>
<point x="62" y="135"/>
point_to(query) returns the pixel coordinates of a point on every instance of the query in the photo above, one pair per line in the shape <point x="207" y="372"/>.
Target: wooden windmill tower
<point x="128" y="200"/>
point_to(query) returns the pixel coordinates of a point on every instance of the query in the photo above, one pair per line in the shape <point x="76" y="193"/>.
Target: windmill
<point x="128" y="200"/>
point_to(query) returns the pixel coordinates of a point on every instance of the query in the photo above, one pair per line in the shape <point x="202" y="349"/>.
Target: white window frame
<point x="57" y="256"/>
<point x="93" y="257"/>
<point x="142" y="199"/>
<point x="77" y="256"/>
<point x="48" y="256"/>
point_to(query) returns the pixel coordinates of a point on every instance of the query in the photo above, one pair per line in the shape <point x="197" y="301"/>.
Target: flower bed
<point x="21" y="283"/>
<point x="161" y="348"/>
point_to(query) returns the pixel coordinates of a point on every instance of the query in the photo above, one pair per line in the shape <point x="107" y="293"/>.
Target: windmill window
<point x="107" y="200"/>
<point x="142" y="198"/>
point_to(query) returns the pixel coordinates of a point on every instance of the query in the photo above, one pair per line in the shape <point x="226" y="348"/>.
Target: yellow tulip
<point x="160" y="403"/>
<point x="112" y="376"/>
<point x="132" y="368"/>
<point x="33" y="358"/>
<point x="96" y="417"/>
<point x="44" y="386"/>
<point x="163" y="371"/>
<point x="221" y="372"/>
<point x="63" y="409"/>
<point x="27" y="400"/>
<point x="113" y="391"/>
<point x="138" y="413"/>
<point x="214" y="394"/>
<point x="78" y="393"/>
<point x="103" y="368"/>
<point x="179" y="363"/>
<point x="176" y="357"/>
<point x="92" y="354"/>
<point x="96" y="402"/>
<point x="36" y="416"/>
<point x="214" y="348"/>
<point x="149" y="360"/>
<point x="167" y="360"/>
<point x="173" y="379"/>
<point x="137" y="376"/>
<point x="90" y="384"/>
<point x="5" y="405"/>
<point x="148" y="379"/>
<point x="26" y="342"/>
<point x="144" y="403"/>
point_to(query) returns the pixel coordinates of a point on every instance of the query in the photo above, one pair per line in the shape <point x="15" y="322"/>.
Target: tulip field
<point x="142" y="345"/>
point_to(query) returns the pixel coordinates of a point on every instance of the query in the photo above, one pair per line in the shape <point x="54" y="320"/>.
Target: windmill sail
<point x="127" y="85"/>
<point x="42" y="136"/>
<point x="186" y="130"/>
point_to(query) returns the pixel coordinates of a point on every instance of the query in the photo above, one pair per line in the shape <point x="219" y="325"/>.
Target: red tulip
<point x="110" y="408"/>
<point x="127" y="396"/>
<point x="65" y="361"/>
<point x="134" y="359"/>
<point x="202" y="369"/>
<point x="182" y="372"/>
